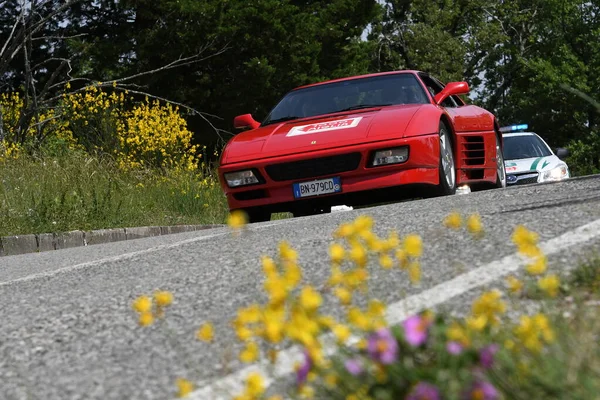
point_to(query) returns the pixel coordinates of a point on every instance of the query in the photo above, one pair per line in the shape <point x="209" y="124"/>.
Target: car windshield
<point x="527" y="146"/>
<point x="402" y="88"/>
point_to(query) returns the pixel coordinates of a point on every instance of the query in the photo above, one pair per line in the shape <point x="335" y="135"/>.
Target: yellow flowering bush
<point x="427" y="356"/>
<point x="138" y="135"/>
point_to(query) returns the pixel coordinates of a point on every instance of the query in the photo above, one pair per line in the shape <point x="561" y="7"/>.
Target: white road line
<point x="125" y="256"/>
<point x="227" y="387"/>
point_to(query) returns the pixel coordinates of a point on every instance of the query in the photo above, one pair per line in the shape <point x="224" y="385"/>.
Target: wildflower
<point x="269" y="267"/>
<point x="514" y="284"/>
<point x="454" y="348"/>
<point x="163" y="298"/>
<point x="341" y="332"/>
<point x="336" y="252"/>
<point x="474" y="225"/>
<point x="344" y="231"/>
<point x="413" y="245"/>
<point x="363" y="223"/>
<point x="336" y="277"/>
<point x="286" y="252"/>
<point x="415" y="330"/>
<point x="489" y="305"/>
<point x="357" y="318"/>
<point x="424" y="391"/>
<point x="455" y="332"/>
<point x="358" y="254"/>
<point x="310" y="299"/>
<point x="205" y="333"/>
<point x="303" y="369"/>
<point x="376" y="308"/>
<point x="250" y="353"/>
<point x="331" y="380"/>
<point x="146" y="319"/>
<point x="354" y="366"/>
<point x="402" y="258"/>
<point x="255" y="385"/>
<point x="549" y="284"/>
<point x="307" y="392"/>
<point x="524" y="238"/>
<point x="486" y="355"/>
<point x="453" y="220"/>
<point x="142" y="304"/>
<point x="386" y="261"/>
<point x="382" y="346"/>
<point x="538" y="267"/>
<point x="184" y="387"/>
<point x="414" y="272"/>
<point x="343" y="294"/>
<point x="477" y="323"/>
<point x="237" y="219"/>
<point x="483" y="391"/>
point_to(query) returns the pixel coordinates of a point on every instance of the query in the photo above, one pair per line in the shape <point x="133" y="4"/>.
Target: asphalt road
<point x="67" y="330"/>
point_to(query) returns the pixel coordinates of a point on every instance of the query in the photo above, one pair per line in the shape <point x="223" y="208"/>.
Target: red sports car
<point x="360" y="140"/>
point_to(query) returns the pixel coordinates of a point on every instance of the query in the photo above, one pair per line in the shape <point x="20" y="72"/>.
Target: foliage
<point x="78" y="191"/>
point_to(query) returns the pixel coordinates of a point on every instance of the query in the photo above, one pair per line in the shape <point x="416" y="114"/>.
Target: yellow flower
<point x="514" y="285"/>
<point x="344" y="231"/>
<point x="310" y="299"/>
<point x="358" y="254"/>
<point x="337" y="253"/>
<point x="414" y="272"/>
<point x="205" y="333"/>
<point x="376" y="308"/>
<point x="386" y="261"/>
<point x="489" y="305"/>
<point x="275" y="397"/>
<point x="146" y="318"/>
<point x="237" y="219"/>
<point x="331" y="380"/>
<point x="273" y="328"/>
<point x="286" y="252"/>
<point x="363" y="223"/>
<point x="184" y="387"/>
<point x="341" y="332"/>
<point x="402" y="258"/>
<point x="523" y="237"/>
<point x="357" y="318"/>
<point x="343" y="294"/>
<point x="255" y="385"/>
<point x="453" y="220"/>
<point x="307" y="392"/>
<point x="413" y="245"/>
<point x="269" y="267"/>
<point x="549" y="284"/>
<point x="163" y="298"/>
<point x="474" y="224"/>
<point x="538" y="267"/>
<point x="476" y="323"/>
<point x="456" y="333"/>
<point x="142" y="304"/>
<point x="336" y="277"/>
<point x="250" y="353"/>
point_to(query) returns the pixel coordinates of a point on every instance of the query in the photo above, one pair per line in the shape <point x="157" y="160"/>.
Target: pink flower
<point x="454" y="348"/>
<point x="415" y="330"/>
<point x="382" y="346"/>
<point x="482" y="390"/>
<point x="354" y="366"/>
<point x="486" y="356"/>
<point x="424" y="391"/>
<point x="302" y="372"/>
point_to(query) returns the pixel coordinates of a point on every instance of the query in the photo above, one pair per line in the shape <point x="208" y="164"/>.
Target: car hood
<point x="534" y="164"/>
<point x="310" y="134"/>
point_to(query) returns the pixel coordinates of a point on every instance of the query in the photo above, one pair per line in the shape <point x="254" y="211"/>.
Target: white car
<point x="529" y="159"/>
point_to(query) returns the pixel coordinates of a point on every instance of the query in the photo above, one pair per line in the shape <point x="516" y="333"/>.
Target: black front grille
<point x="314" y="167"/>
<point x="520" y="179"/>
<point x="527" y="181"/>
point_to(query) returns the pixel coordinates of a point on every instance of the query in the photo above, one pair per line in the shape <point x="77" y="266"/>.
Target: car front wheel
<point x="447" y="185"/>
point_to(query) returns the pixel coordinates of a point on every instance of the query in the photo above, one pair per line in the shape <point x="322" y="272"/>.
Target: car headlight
<point x="241" y="178"/>
<point x="555" y="174"/>
<point x="390" y="156"/>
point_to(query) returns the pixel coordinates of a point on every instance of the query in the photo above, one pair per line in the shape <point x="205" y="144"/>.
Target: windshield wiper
<point x="282" y="119"/>
<point x="359" y="106"/>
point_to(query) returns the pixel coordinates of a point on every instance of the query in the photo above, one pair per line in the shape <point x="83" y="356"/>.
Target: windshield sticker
<point x="324" y="126"/>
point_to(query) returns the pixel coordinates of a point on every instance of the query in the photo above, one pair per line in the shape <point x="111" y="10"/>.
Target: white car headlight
<point x="241" y="178"/>
<point x="555" y="174"/>
<point x="390" y="156"/>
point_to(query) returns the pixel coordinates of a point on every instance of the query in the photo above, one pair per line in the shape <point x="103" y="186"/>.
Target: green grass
<point x="82" y="192"/>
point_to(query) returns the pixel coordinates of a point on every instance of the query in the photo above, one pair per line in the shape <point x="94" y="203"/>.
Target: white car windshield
<point x="526" y="146"/>
<point x="403" y="88"/>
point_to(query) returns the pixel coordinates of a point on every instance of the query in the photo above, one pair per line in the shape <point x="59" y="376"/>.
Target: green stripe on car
<point x="535" y="163"/>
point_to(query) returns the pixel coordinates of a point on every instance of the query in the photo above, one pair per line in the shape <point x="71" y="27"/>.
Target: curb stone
<point x="34" y="243"/>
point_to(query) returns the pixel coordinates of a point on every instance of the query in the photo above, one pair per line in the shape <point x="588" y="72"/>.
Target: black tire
<point x="447" y="185"/>
<point x="500" y="168"/>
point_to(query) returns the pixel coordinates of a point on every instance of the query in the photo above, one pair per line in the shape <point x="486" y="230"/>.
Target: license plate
<point x="317" y="187"/>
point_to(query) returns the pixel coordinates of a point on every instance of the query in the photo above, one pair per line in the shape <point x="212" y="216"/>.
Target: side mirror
<point x="451" y="89"/>
<point x="245" y="121"/>
<point x="562" y="153"/>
